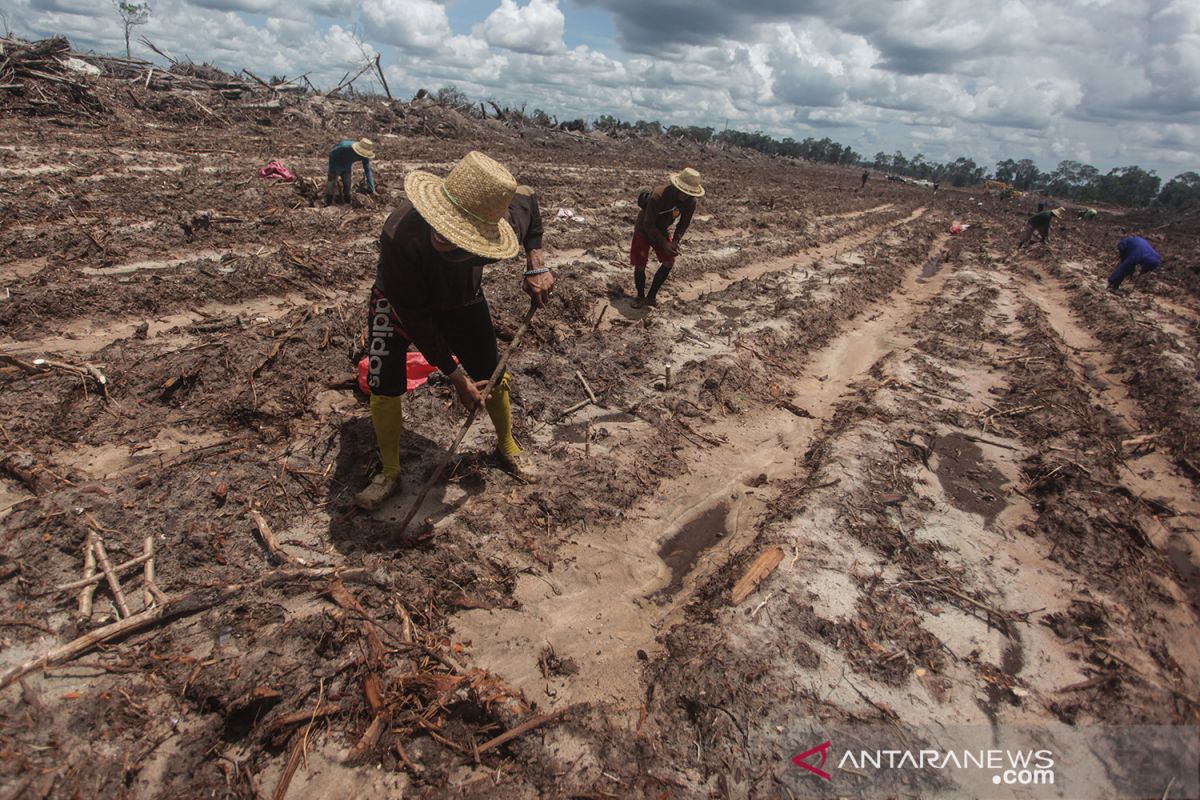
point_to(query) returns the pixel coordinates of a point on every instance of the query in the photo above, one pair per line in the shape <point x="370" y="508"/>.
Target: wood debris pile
<point x="37" y="77"/>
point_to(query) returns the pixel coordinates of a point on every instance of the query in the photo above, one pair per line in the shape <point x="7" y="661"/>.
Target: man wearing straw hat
<point x="428" y="291"/>
<point x="1039" y="222"/>
<point x="341" y="160"/>
<point x="671" y="202"/>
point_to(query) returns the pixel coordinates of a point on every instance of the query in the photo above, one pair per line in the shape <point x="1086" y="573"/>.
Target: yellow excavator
<point x="1003" y="188"/>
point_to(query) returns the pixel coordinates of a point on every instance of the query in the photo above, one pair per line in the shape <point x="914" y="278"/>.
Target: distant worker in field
<point x="429" y="292"/>
<point x="1042" y="204"/>
<point x="865" y="177"/>
<point x="1040" y="223"/>
<point x="1134" y="252"/>
<point x="341" y="160"/>
<point x="671" y="203"/>
<point x="1088" y="213"/>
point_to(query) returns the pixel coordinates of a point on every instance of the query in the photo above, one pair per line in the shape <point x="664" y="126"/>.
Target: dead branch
<point x="762" y="567"/>
<point x="89" y="571"/>
<point x="96" y="577"/>
<point x="526" y="727"/>
<point x="382" y="79"/>
<point x="114" y="583"/>
<point x="347" y="81"/>
<point x="186" y="605"/>
<point x="591" y="395"/>
<point x="269" y="541"/>
<point x="293" y="763"/>
<point x="148" y="572"/>
<point x="151" y="45"/>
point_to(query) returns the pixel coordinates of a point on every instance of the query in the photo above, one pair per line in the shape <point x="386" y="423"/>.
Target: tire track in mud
<point x="604" y="608"/>
<point x="855" y="214"/>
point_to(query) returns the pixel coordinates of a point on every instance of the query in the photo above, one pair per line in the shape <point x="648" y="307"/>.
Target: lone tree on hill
<point x="132" y="14"/>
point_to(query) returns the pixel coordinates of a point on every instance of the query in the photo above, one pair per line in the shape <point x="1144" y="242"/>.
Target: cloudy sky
<point x="1106" y="82"/>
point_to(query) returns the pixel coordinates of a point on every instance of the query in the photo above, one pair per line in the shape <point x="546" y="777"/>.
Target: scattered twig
<point x="293" y="763"/>
<point x="148" y="572"/>
<point x="981" y="440"/>
<point x="525" y="727"/>
<point x="572" y="409"/>
<point x="763" y="566"/>
<point x="114" y="582"/>
<point x="97" y="576"/>
<point x="1147" y="678"/>
<point x="89" y="570"/>
<point x="270" y="542"/>
<point x="599" y="318"/>
<point x="183" y="606"/>
<point x="591" y="395"/>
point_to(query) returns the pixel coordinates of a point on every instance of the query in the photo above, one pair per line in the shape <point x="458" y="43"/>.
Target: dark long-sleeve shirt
<point x="1135" y="250"/>
<point x="663" y="206"/>
<point x="418" y="281"/>
<point x="1041" y="221"/>
<point x="342" y="158"/>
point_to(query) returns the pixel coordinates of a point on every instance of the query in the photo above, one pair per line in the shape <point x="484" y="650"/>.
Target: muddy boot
<point x="377" y="492"/>
<point x="346" y="199"/>
<point x="519" y="465"/>
<point x="328" y="200"/>
<point x="639" y="283"/>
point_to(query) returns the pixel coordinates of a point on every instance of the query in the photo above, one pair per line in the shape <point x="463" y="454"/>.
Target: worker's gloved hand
<point x="538" y="286"/>
<point x="470" y="393"/>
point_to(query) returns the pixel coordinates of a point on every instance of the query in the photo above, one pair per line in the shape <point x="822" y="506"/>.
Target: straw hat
<point x="1056" y="212"/>
<point x="364" y="147"/>
<point x="468" y="207"/>
<point x="687" y="181"/>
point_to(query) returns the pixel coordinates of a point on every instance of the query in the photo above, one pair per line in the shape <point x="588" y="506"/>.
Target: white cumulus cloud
<point x="534" y="28"/>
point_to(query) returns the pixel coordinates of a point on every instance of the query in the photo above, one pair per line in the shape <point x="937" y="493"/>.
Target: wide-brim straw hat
<point x="364" y="147"/>
<point x="1056" y="212"/>
<point x="468" y="207"/>
<point x="687" y="180"/>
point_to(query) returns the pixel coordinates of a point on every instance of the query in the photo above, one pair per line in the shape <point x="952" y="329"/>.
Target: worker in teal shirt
<point x="341" y="160"/>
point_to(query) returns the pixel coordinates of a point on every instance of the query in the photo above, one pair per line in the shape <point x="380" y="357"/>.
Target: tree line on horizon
<point x="1071" y="180"/>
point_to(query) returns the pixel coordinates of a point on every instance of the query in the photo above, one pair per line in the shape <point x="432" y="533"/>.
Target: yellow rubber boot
<point x="387" y="416"/>
<point x="499" y="408"/>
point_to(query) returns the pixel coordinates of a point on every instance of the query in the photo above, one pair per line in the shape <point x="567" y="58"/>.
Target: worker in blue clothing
<point x="341" y="159"/>
<point x="1134" y="251"/>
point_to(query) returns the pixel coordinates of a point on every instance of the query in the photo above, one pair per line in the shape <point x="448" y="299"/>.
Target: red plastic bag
<point x="419" y="371"/>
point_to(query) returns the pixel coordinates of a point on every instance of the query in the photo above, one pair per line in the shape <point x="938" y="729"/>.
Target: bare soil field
<point x="968" y="476"/>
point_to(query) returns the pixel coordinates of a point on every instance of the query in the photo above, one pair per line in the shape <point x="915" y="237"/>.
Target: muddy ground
<point x="980" y="469"/>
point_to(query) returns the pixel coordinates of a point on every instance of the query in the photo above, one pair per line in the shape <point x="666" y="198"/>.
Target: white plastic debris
<point x="79" y="65"/>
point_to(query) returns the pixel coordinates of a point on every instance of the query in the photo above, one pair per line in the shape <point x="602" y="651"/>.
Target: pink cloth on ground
<point x="277" y="170"/>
